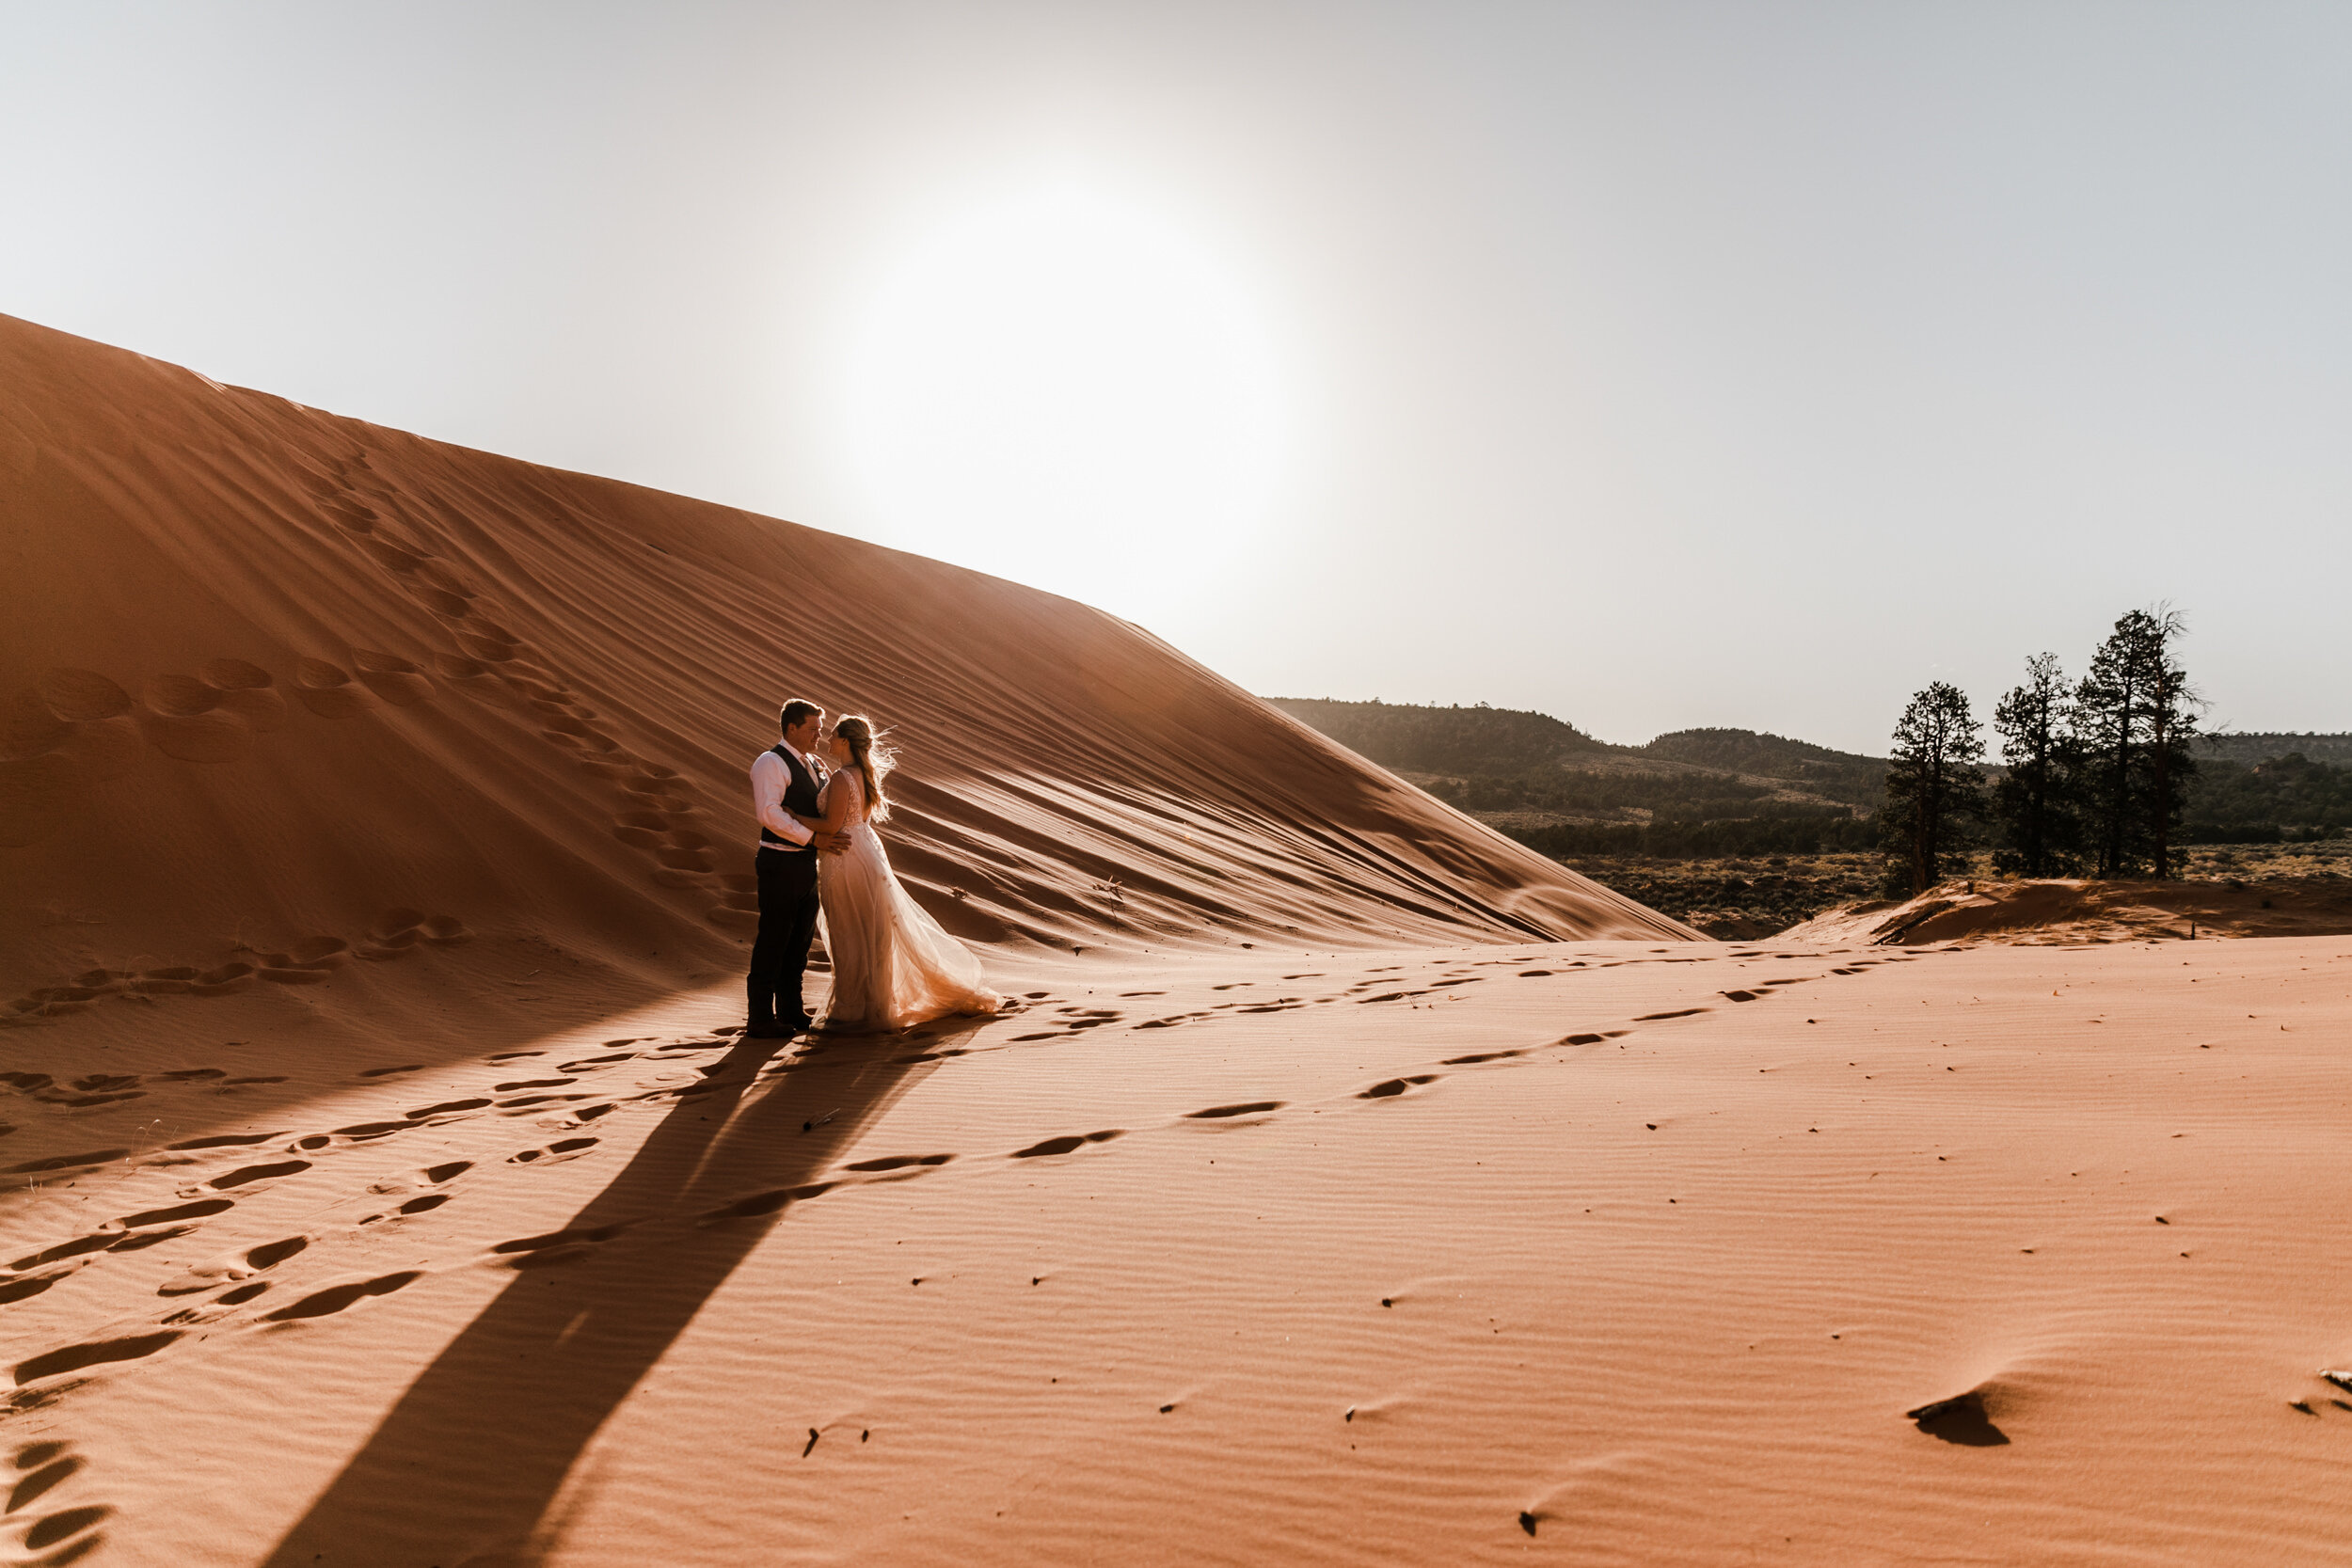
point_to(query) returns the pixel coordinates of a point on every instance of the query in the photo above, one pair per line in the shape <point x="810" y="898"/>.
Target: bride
<point x="892" y="964"/>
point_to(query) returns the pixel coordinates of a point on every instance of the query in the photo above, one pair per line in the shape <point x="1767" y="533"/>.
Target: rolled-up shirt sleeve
<point x="768" y="777"/>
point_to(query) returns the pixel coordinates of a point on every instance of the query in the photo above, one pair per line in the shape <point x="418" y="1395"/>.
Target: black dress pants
<point x="787" y="924"/>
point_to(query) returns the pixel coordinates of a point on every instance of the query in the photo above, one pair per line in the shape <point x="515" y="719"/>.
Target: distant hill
<point x="2281" y="800"/>
<point x="1432" y="740"/>
<point x="1847" y="776"/>
<point x="1551" y="786"/>
<point x="2260" y="746"/>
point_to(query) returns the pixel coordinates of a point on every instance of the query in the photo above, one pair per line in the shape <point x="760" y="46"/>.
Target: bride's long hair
<point x="872" y="758"/>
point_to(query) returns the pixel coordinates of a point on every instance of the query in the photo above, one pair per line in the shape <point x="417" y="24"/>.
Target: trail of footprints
<point x="252" y="1162"/>
<point x="657" y="816"/>
<point x="70" y="730"/>
<point x="310" y="960"/>
<point x="248" y="1164"/>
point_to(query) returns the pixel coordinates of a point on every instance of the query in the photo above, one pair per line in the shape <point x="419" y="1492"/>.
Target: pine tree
<point x="2136" y="718"/>
<point x="2169" y="731"/>
<point x="2035" y="801"/>
<point x="1934" y="789"/>
<point x="2106" y="721"/>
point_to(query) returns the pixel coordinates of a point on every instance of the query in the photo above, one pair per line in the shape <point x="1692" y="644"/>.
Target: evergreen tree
<point x="2169" y="730"/>
<point x="2106" y="713"/>
<point x="1934" y="789"/>
<point x="2135" y="719"/>
<point x="2035" y="801"/>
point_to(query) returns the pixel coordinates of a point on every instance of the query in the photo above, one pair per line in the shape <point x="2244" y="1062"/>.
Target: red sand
<point x="380" y="1195"/>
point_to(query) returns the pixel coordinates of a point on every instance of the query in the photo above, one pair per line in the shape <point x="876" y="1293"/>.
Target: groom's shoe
<point x="766" y="1029"/>
<point x="797" y="1025"/>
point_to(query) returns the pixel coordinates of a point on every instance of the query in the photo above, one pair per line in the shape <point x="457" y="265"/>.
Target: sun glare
<point x="1069" y="391"/>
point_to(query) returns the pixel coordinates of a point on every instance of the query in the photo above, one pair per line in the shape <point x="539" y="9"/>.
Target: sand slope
<point x="2074" y="909"/>
<point x="290" y="681"/>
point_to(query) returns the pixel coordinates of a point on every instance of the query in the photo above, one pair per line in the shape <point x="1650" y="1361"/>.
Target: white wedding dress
<point x="893" y="966"/>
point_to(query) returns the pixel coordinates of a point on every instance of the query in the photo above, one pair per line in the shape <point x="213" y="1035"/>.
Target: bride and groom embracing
<point x="818" y="795"/>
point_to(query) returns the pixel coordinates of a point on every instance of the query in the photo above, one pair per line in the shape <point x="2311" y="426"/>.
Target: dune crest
<point x="280" y="677"/>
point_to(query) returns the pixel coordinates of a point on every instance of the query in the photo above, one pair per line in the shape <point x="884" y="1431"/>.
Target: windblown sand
<point x="1351" y="1186"/>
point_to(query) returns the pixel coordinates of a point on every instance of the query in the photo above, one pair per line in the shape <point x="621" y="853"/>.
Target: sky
<point x="1651" y="364"/>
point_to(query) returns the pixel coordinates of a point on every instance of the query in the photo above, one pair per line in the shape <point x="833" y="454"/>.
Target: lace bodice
<point x="852" y="814"/>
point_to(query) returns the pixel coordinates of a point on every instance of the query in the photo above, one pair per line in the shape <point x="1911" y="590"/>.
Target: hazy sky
<point x="1654" y="365"/>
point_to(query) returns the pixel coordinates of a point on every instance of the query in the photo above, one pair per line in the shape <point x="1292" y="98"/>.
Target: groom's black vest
<point x="799" y="797"/>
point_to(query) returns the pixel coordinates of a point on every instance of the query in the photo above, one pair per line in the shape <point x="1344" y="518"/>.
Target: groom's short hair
<point x="797" y="712"/>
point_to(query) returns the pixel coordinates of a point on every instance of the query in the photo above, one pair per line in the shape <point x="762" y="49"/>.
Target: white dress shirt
<point x="770" y="779"/>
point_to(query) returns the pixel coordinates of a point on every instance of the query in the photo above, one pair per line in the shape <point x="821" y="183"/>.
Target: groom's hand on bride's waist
<point x="832" y="843"/>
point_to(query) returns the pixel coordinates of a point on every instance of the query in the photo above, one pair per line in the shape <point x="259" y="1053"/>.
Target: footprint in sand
<point x="338" y="1298"/>
<point x="246" y="1176"/>
<point x="1247" y="1108"/>
<point x="328" y="690"/>
<point x="397" y="680"/>
<point x="177" y="1214"/>
<point x="899" y="1162"/>
<point x="394" y="935"/>
<point x="1679" y="1012"/>
<point x="213" y="718"/>
<point x="1069" y="1144"/>
<point x="75" y="1358"/>
<point x="130" y="1233"/>
<point x="446" y="1108"/>
<point x="523" y="1102"/>
<point x="559" y="1246"/>
<point x="431" y="1176"/>
<point x="100" y="1089"/>
<point x="591" y="1064"/>
<point x="66" y="734"/>
<point x="1391" y="1087"/>
<point x="474" y="677"/>
<point x="25" y="1287"/>
<point x="761" y="1204"/>
<point x="234" y="1268"/>
<point x="554" y="1153"/>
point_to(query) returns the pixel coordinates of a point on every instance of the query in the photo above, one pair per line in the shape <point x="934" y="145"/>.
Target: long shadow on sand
<point x="464" y="1467"/>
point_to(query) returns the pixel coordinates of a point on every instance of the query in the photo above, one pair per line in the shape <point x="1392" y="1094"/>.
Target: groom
<point x="785" y="782"/>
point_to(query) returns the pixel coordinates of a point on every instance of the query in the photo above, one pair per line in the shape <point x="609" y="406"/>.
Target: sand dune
<point x="2073" y="910"/>
<point x="284" y="680"/>
<point x="381" y="1182"/>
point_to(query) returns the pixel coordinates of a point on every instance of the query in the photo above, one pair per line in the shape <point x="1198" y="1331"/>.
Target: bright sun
<point x="1065" y="390"/>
